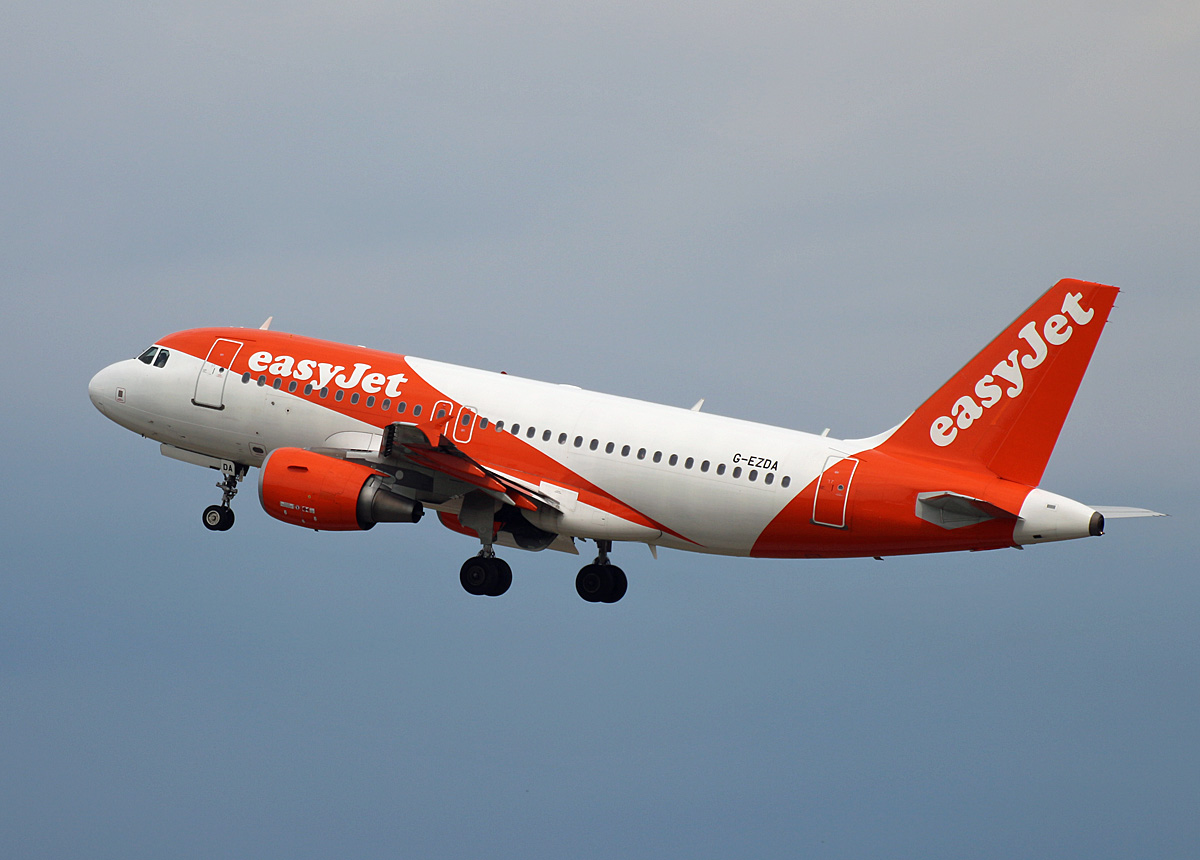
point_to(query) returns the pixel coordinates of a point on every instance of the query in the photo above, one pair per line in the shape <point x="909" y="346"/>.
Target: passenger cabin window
<point x="148" y="356"/>
<point x="163" y="355"/>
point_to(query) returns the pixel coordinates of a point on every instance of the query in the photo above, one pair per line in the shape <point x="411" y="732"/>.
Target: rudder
<point x="1004" y="410"/>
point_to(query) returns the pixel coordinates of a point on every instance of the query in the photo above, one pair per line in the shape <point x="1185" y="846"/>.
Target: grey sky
<point x="809" y="214"/>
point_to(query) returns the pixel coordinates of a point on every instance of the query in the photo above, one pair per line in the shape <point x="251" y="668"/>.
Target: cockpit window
<point x="163" y="355"/>
<point x="148" y="356"/>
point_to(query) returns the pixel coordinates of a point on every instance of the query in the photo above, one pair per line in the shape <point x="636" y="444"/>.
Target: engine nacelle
<point x="328" y="494"/>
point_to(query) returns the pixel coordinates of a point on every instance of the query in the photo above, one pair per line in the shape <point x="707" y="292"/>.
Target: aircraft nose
<point x="102" y="389"/>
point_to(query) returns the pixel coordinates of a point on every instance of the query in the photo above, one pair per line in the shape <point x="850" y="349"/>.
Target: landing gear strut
<point x="485" y="574"/>
<point x="601" y="581"/>
<point x="219" y="518"/>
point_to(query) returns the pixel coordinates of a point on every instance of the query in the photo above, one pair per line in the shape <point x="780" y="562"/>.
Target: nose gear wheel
<point x="219" y="518"/>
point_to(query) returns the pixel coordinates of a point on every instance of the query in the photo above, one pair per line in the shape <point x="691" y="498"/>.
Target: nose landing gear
<point x="219" y="518"/>
<point x="601" y="581"/>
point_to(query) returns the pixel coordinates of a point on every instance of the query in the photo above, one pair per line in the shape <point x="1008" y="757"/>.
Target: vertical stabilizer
<point x="1004" y="410"/>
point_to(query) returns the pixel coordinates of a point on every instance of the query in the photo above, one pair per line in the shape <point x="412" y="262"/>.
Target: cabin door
<point x="210" y="383"/>
<point x="833" y="492"/>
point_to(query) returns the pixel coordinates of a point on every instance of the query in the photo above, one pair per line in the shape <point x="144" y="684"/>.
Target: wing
<point x="431" y="467"/>
<point x="426" y="464"/>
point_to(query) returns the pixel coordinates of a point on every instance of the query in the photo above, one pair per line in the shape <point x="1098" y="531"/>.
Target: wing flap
<point x="425" y="446"/>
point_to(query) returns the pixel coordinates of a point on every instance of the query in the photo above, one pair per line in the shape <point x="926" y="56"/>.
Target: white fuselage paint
<point x="716" y="513"/>
<point x="721" y="514"/>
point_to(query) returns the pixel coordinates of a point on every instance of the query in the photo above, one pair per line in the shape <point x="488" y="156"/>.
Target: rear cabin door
<point x="833" y="492"/>
<point x="210" y="383"/>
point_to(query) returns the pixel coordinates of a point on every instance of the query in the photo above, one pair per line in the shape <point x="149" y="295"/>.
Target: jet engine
<point x="327" y="494"/>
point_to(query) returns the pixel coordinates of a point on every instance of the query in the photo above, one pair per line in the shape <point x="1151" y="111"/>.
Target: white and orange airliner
<point x="347" y="437"/>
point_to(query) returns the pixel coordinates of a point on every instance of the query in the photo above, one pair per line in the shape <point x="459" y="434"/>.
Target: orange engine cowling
<point x="328" y="494"/>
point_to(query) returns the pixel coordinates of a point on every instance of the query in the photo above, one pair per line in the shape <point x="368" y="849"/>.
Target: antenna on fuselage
<point x="266" y="323"/>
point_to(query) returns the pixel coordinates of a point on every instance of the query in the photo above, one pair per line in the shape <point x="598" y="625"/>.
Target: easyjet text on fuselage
<point x="323" y="374"/>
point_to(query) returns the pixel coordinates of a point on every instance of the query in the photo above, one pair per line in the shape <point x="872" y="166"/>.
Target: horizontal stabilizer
<point x="954" y="510"/>
<point x="1119" y="513"/>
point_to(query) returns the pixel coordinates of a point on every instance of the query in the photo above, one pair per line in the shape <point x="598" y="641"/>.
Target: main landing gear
<point x="485" y="574"/>
<point x="601" y="581"/>
<point x="219" y="518"/>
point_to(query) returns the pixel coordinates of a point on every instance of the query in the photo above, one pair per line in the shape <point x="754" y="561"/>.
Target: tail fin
<point x="1004" y="410"/>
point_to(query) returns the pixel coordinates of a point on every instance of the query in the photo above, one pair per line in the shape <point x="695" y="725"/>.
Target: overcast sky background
<point x="810" y="214"/>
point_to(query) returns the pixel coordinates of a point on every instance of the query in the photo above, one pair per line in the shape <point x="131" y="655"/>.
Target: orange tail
<point x="1005" y="409"/>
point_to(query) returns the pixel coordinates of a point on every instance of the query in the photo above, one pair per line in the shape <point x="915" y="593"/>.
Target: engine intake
<point x="327" y="494"/>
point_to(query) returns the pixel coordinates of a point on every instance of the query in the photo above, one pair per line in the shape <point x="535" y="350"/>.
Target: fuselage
<point x="610" y="468"/>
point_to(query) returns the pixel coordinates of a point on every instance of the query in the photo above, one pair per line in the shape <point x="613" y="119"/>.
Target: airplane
<point x="346" y="437"/>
